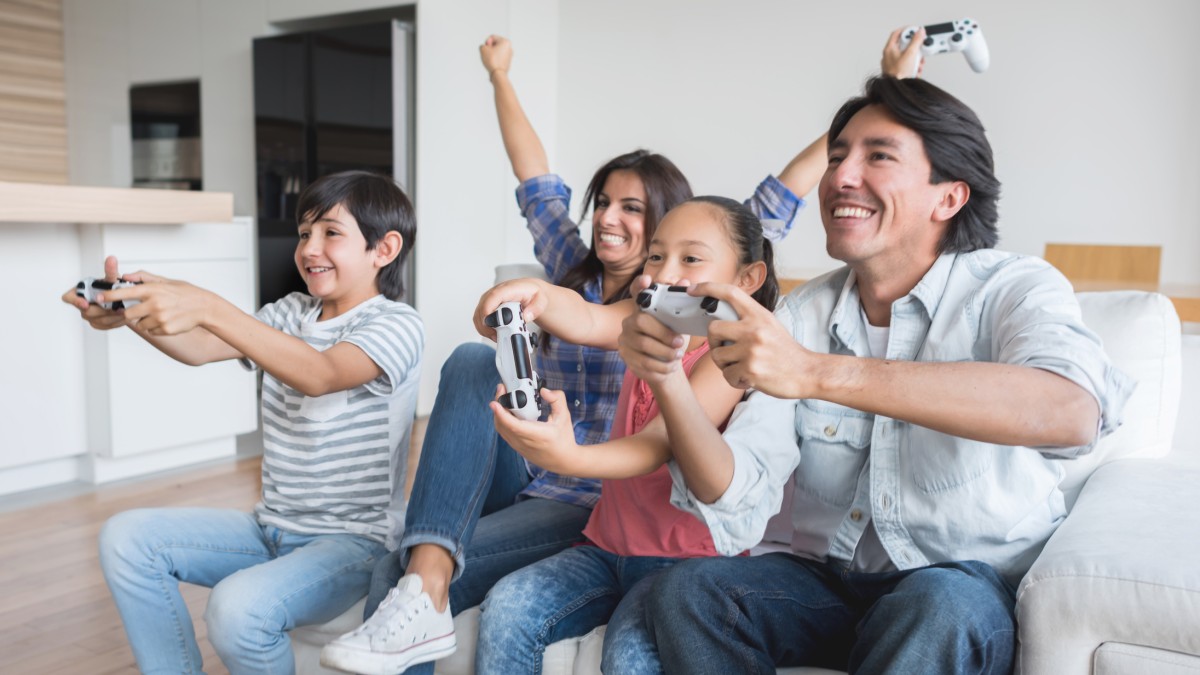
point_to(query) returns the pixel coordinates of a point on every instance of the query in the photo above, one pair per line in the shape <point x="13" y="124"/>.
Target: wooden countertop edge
<point x="39" y="203"/>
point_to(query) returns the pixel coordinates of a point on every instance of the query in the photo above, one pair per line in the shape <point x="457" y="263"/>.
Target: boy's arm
<point x="560" y="311"/>
<point x="521" y="142"/>
<point x="168" y="309"/>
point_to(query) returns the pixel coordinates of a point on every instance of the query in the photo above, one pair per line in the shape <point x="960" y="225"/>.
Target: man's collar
<point x="928" y="291"/>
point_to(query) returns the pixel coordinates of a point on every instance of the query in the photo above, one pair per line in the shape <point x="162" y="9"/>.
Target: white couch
<point x="1117" y="588"/>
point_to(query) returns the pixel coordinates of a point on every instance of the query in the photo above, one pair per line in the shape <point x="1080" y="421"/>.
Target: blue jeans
<point x="465" y="490"/>
<point x="566" y="596"/>
<point x="750" y="615"/>
<point x="265" y="582"/>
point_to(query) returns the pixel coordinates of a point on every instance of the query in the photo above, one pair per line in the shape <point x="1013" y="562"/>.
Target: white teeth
<point x="612" y="239"/>
<point x="851" y="212"/>
<point x="318" y="270"/>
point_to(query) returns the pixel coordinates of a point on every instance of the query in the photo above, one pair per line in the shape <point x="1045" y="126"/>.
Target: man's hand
<point x="550" y="444"/>
<point x="496" y="54"/>
<point x="756" y="351"/>
<point x="907" y="63"/>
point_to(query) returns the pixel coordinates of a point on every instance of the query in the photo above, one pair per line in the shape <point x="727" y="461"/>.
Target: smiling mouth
<point x="317" y="270"/>
<point x="852" y="212"/>
<point x="611" y="239"/>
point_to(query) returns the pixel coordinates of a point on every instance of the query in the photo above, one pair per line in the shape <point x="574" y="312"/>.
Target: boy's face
<point x="333" y="259"/>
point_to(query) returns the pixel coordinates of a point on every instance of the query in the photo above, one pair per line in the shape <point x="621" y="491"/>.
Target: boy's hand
<point x="901" y="64"/>
<point x="756" y="350"/>
<point x="165" y="306"/>
<point x="525" y="291"/>
<point x="96" y="316"/>
<point x="550" y="444"/>
<point x="496" y="54"/>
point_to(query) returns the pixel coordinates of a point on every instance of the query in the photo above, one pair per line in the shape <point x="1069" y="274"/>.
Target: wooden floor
<point x="56" y="615"/>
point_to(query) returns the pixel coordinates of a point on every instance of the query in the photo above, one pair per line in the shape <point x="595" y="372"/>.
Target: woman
<point x="478" y="510"/>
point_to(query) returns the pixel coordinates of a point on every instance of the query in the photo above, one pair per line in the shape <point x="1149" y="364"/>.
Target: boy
<point x="339" y="392"/>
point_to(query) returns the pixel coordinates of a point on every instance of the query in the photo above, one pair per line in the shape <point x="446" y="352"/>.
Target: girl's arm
<point x="521" y="142"/>
<point x="551" y="445"/>
<point x="560" y="311"/>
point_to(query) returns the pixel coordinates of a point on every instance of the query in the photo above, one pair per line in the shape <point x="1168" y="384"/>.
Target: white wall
<point x="1092" y="128"/>
<point x="1090" y="107"/>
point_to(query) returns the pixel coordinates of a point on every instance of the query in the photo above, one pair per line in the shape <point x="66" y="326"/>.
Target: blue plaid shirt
<point x="590" y="378"/>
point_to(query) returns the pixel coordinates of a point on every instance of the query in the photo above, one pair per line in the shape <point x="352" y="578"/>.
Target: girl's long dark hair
<point x="745" y="230"/>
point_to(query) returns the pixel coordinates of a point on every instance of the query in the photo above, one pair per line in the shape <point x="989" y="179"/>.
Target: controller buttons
<point x="928" y="42"/>
<point x="957" y="37"/>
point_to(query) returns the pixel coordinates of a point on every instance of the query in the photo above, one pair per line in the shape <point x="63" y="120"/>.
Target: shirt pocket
<point x="834" y="445"/>
<point x="324" y="408"/>
<point x="940" y="462"/>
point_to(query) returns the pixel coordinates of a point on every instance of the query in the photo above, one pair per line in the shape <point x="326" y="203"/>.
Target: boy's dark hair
<point x="954" y="143"/>
<point x="379" y="206"/>
<point x="746" y="232"/>
<point x="665" y="187"/>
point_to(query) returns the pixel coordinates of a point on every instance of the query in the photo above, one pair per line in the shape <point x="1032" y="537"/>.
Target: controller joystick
<point x="685" y="314"/>
<point x="514" y="360"/>
<point x="90" y="287"/>
<point x="963" y="35"/>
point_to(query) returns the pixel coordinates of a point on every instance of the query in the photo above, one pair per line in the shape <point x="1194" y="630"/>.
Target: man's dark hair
<point x="956" y="147"/>
<point x="379" y="206"/>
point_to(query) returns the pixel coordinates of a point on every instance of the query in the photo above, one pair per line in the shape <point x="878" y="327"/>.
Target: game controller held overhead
<point x="90" y="287"/>
<point x="963" y="35"/>
<point x="685" y="314"/>
<point x="514" y="360"/>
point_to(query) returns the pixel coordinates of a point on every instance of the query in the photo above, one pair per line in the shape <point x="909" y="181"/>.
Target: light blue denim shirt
<point x="933" y="497"/>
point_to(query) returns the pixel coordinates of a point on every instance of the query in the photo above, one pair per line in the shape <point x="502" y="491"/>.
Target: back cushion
<point x="1141" y="334"/>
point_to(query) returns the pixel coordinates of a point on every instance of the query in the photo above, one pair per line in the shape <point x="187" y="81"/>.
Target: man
<point x="925" y="395"/>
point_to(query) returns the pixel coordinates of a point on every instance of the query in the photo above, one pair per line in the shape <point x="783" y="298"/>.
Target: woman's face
<point x="619" y="223"/>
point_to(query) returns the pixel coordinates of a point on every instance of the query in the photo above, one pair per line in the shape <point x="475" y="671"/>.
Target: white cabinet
<point x="138" y="399"/>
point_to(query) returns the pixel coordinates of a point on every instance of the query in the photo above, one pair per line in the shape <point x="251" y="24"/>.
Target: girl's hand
<point x="496" y="54"/>
<point x="528" y="292"/>
<point x="756" y="350"/>
<point x="550" y="444"/>
<point x="902" y="64"/>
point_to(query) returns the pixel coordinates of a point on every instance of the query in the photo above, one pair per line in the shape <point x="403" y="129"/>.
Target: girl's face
<point x="619" y="223"/>
<point x="692" y="243"/>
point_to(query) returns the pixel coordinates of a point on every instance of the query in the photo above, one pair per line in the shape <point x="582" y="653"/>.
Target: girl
<point x="633" y="532"/>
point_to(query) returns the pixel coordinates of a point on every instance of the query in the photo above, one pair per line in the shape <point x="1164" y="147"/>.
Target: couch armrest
<point x="1123" y="567"/>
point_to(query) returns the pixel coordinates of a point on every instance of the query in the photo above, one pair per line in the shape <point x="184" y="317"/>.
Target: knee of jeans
<point x="626" y="652"/>
<point x="122" y="540"/>
<point x="512" y="601"/>
<point x="469" y="356"/>
<point x="238" y="618"/>
<point x="685" y="585"/>
<point x="960" y="596"/>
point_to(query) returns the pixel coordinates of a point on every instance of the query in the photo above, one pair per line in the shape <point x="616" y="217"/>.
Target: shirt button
<point x="576" y="403"/>
<point x="830" y="430"/>
<point x="856" y="515"/>
<point x="579" y="367"/>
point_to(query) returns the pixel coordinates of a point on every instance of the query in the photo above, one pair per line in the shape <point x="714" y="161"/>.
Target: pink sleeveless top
<point x="634" y="516"/>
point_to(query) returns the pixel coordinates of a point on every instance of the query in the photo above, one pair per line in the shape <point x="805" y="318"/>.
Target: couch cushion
<point x="1141" y="334"/>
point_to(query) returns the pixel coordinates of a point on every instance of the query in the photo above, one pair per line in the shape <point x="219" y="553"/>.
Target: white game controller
<point x="685" y="314"/>
<point x="963" y="35"/>
<point x="90" y="287"/>
<point x="514" y="360"/>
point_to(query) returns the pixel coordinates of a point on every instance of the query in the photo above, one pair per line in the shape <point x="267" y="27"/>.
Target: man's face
<point x="877" y="204"/>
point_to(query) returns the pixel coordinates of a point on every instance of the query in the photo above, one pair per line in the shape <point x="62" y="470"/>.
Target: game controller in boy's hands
<point x="90" y="287"/>
<point x="963" y="35"/>
<point x="514" y="360"/>
<point x="685" y="314"/>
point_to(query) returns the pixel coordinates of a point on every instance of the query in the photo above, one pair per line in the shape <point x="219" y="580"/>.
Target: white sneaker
<point x="405" y="629"/>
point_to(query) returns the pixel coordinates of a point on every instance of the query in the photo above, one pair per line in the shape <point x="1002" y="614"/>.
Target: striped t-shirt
<point x="336" y="463"/>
